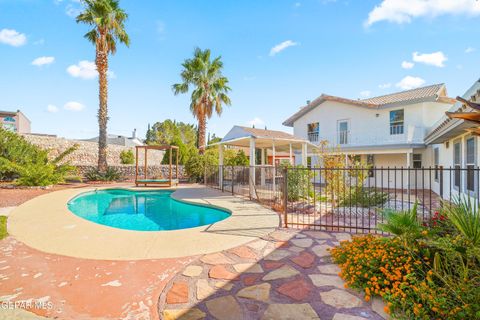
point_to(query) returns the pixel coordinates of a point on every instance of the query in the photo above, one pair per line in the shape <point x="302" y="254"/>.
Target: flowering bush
<point x="434" y="276"/>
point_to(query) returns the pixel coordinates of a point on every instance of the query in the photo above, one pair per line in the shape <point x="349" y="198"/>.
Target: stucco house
<point x="454" y="150"/>
<point x="15" y="121"/>
<point x="385" y="131"/>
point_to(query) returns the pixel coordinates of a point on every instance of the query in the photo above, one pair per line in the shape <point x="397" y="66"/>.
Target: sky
<point x="277" y="54"/>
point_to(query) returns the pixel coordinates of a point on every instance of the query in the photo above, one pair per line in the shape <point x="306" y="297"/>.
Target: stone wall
<point x="87" y="152"/>
<point x="153" y="172"/>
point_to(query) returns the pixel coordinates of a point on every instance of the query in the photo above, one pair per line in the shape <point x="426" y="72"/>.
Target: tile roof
<point x="268" y="133"/>
<point x="436" y="92"/>
<point x="408" y="95"/>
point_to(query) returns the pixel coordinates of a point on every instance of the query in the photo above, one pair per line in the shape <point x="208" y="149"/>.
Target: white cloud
<point x="161" y="28"/>
<point x="404" y="11"/>
<point x="410" y="82"/>
<point x="436" y="59"/>
<point x="470" y="50"/>
<point x="12" y="37"/>
<point x="39" y="42"/>
<point x="407" y="65"/>
<point x="86" y="70"/>
<point x="42" y="61"/>
<point x="282" y="46"/>
<point x="73" y="106"/>
<point x="385" y="85"/>
<point x="52" y="108"/>
<point x="365" y="93"/>
<point x="257" y="122"/>
<point x="72" y="11"/>
<point x="297" y="4"/>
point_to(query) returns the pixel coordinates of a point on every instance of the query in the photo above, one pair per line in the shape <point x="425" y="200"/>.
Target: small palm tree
<point x="403" y="224"/>
<point x="107" y="21"/>
<point x="210" y="89"/>
<point x="465" y="216"/>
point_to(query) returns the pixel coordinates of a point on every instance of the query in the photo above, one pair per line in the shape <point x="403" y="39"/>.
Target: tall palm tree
<point x="210" y="89"/>
<point x="107" y="21"/>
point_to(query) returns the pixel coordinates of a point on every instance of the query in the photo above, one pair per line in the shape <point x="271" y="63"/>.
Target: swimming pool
<point x="142" y="210"/>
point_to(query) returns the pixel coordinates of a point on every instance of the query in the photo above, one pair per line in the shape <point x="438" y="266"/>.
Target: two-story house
<point x="386" y="131"/>
<point x="14" y="121"/>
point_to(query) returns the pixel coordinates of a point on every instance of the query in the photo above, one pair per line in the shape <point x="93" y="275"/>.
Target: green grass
<point x="3" y="227"/>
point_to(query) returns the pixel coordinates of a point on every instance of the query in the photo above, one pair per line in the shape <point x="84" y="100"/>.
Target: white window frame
<point x="474" y="164"/>
<point x="455" y="164"/>
<point x="347" y="135"/>
<point x="393" y="125"/>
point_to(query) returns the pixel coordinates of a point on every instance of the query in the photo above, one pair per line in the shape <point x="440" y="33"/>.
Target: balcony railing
<point x="374" y="137"/>
<point x="313" y="136"/>
<point x="343" y="137"/>
<point x="396" y="129"/>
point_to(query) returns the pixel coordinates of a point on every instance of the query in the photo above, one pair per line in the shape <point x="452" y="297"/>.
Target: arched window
<point x="9" y="119"/>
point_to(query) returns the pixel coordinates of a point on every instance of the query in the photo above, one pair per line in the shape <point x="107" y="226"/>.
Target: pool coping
<point x="46" y="224"/>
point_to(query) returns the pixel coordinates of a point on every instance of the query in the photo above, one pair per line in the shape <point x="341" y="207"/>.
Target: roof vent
<point x="308" y="102"/>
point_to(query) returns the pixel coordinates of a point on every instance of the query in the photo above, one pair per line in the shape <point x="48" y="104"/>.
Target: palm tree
<point x="107" y="21"/>
<point x="210" y="89"/>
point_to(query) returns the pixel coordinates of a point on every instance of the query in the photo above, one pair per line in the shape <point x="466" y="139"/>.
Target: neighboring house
<point x="121" y="140"/>
<point x="14" y="121"/>
<point x="455" y="150"/>
<point x="385" y="131"/>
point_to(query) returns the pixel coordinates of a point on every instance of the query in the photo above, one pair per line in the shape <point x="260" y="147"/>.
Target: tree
<point x="210" y="89"/>
<point x="107" y="21"/>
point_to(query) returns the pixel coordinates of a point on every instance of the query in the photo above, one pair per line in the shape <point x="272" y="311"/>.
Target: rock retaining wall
<point x="128" y="171"/>
<point x="87" y="152"/>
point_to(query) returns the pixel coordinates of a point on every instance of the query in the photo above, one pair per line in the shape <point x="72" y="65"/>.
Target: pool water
<point x="142" y="210"/>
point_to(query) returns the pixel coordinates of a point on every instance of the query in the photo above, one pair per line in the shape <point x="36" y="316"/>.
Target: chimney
<point x="134" y="133"/>
<point x="308" y="102"/>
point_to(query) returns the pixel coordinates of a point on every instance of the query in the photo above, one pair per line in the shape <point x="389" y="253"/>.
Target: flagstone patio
<point x="287" y="275"/>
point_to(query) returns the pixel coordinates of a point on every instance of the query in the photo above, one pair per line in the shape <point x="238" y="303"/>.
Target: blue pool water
<point x="142" y="210"/>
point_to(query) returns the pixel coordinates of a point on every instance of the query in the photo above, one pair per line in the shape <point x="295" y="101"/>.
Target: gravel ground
<point x="15" y="197"/>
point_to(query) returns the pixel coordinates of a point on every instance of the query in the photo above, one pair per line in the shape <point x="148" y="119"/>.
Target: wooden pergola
<point x="154" y="181"/>
<point x="471" y="116"/>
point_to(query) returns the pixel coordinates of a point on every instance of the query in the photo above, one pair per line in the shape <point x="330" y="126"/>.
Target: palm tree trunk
<point x="202" y="128"/>
<point x="102" y="67"/>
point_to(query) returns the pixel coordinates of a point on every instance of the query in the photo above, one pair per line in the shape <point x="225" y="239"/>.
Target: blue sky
<point x="277" y="54"/>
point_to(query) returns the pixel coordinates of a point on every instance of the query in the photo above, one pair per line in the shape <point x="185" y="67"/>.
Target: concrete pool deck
<point x="46" y="224"/>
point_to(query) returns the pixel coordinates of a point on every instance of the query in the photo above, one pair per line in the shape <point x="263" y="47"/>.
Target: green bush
<point x="362" y="197"/>
<point x="111" y="174"/>
<point x="127" y="157"/>
<point x="299" y="183"/>
<point x="30" y="165"/>
<point x="3" y="227"/>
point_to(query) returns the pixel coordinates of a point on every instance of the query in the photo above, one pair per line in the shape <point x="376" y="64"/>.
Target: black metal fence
<point x="346" y="199"/>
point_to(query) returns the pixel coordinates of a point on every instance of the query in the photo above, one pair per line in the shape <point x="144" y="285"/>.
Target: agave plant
<point x="403" y="224"/>
<point x="464" y="215"/>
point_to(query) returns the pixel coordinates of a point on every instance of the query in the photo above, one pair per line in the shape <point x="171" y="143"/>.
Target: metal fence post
<point x="233" y="172"/>
<point x="285" y="195"/>
<point x="205" y="176"/>
<point x="441" y="182"/>
<point x="223" y="178"/>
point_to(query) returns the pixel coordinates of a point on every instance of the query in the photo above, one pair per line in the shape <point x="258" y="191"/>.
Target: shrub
<point x="3" y="227"/>
<point x="127" y="157"/>
<point x="363" y="197"/>
<point x="299" y="183"/>
<point x="420" y="273"/>
<point x="30" y="165"/>
<point x="111" y="174"/>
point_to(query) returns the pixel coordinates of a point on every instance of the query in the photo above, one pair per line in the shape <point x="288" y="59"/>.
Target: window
<point x="457" y="162"/>
<point x="9" y="119"/>
<point x="396" y="122"/>
<point x="417" y="161"/>
<point x="370" y="164"/>
<point x="470" y="163"/>
<point x="343" y="132"/>
<point x="309" y="162"/>
<point x="9" y="127"/>
<point x="436" y="162"/>
<point x="313" y="130"/>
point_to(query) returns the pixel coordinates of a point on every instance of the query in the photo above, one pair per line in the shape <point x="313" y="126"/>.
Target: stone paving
<point x="286" y="275"/>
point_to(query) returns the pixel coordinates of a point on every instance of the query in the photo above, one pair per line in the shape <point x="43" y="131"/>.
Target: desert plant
<point x="299" y="183"/>
<point x="30" y="165"/>
<point x="127" y="157"/>
<point x="403" y="224"/>
<point x="464" y="215"/>
<point x="111" y="174"/>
